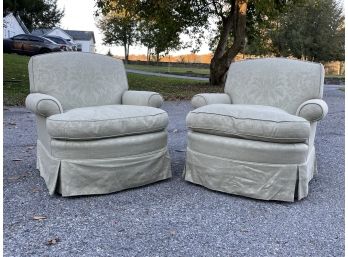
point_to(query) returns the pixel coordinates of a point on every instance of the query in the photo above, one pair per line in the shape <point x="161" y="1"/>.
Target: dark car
<point x="29" y="45"/>
<point x="64" y="44"/>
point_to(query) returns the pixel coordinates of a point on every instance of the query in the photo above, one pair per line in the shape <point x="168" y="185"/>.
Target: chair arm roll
<point x="142" y="98"/>
<point x="200" y="100"/>
<point x="42" y="104"/>
<point x="313" y="110"/>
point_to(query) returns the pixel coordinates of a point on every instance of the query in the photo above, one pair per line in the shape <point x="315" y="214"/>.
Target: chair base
<point x="281" y="182"/>
<point x="73" y="177"/>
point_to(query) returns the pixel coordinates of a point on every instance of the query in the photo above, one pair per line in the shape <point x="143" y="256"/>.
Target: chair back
<point x="278" y="82"/>
<point x="78" y="79"/>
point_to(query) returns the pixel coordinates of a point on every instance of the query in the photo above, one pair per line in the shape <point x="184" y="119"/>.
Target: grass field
<point x="16" y="83"/>
<point x="171" y="88"/>
<point x="190" y="71"/>
<point x="16" y="80"/>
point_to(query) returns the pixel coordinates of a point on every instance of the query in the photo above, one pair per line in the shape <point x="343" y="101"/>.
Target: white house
<point x="13" y="26"/>
<point x="85" y="40"/>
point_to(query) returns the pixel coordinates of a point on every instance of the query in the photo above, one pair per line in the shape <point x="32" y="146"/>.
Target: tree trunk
<point x="126" y="49"/>
<point x="148" y="55"/>
<point x="218" y="71"/>
<point x="223" y="56"/>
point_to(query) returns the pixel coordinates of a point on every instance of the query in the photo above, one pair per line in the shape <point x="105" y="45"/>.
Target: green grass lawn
<point x="16" y="80"/>
<point x="169" y="69"/>
<point x="16" y="83"/>
<point x="170" y="88"/>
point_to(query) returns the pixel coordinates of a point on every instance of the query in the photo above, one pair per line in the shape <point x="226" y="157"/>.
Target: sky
<point x="79" y="16"/>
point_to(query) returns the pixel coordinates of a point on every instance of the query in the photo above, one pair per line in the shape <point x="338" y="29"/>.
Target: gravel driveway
<point x="172" y="218"/>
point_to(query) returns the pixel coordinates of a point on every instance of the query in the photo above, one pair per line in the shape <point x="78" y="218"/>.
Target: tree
<point x="118" y="20"/>
<point x="162" y="22"/>
<point x="241" y="26"/>
<point x="231" y="21"/>
<point x="235" y="18"/>
<point x="35" y="13"/>
<point x="165" y="20"/>
<point x="311" y="30"/>
<point x="119" y="29"/>
<point x="158" y="37"/>
<point x="157" y="24"/>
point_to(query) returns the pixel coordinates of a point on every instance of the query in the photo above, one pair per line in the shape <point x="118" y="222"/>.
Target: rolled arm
<point x="42" y="104"/>
<point x="312" y="110"/>
<point x="143" y="98"/>
<point x="210" y="98"/>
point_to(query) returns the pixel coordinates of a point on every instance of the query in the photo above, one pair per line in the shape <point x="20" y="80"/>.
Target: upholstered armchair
<point x="94" y="135"/>
<point x="257" y="139"/>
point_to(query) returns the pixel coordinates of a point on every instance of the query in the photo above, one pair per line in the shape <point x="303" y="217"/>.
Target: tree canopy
<point x="118" y="27"/>
<point x="35" y="13"/>
<point x="157" y="24"/>
<point x="311" y="30"/>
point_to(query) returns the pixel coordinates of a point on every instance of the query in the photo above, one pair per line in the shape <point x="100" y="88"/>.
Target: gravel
<point x="174" y="217"/>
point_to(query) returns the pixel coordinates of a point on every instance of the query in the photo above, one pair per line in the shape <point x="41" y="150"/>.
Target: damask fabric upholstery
<point x="277" y="82"/>
<point x="74" y="176"/>
<point x="266" y="181"/>
<point x="200" y="100"/>
<point x="255" y="122"/>
<point x="114" y="147"/>
<point x="88" y="143"/>
<point x="71" y="77"/>
<point x="106" y="121"/>
<point x="272" y="98"/>
<point x="44" y="105"/>
<point x="247" y="150"/>
<point x="313" y="110"/>
<point x="143" y="98"/>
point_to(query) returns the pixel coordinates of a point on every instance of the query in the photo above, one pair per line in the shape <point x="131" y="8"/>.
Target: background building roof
<point x="81" y="35"/>
<point x="75" y="34"/>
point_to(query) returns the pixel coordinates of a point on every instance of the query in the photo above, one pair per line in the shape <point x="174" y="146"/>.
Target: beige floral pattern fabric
<point x="106" y="121"/>
<point x="255" y="122"/>
<point x="313" y="110"/>
<point x="277" y="82"/>
<point x="200" y="100"/>
<point x="142" y="98"/>
<point x="44" y="105"/>
<point x="78" y="79"/>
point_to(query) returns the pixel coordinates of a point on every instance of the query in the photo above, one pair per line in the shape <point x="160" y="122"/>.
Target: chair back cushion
<point x="78" y="79"/>
<point x="278" y="82"/>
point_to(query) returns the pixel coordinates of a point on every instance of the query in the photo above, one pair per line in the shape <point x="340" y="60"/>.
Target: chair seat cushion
<point x="106" y="121"/>
<point x="254" y="122"/>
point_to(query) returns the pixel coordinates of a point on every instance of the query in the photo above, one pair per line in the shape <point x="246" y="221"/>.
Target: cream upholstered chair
<point x="94" y="136"/>
<point x="257" y="139"/>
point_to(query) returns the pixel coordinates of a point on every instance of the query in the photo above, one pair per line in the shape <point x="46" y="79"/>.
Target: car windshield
<point x="49" y="41"/>
<point x="57" y="40"/>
